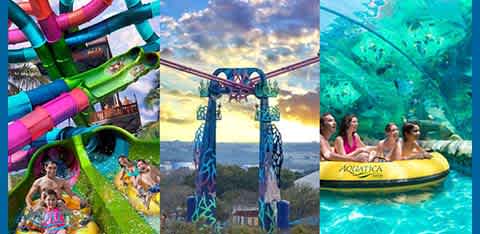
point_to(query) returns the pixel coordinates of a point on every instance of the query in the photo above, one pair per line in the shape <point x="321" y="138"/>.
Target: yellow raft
<point x="398" y="176"/>
<point x="135" y="201"/>
<point x="75" y="228"/>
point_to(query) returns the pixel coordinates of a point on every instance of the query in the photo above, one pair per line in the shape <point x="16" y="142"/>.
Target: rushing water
<point x="108" y="167"/>
<point x="444" y="209"/>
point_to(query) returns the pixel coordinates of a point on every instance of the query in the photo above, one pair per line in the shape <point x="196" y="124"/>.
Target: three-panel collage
<point x="240" y="116"/>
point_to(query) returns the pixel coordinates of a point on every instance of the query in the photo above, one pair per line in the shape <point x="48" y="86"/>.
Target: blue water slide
<point x="22" y="103"/>
<point x="135" y="15"/>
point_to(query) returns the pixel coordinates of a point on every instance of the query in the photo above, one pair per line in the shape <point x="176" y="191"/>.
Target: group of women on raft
<point x="144" y="177"/>
<point x="348" y="145"/>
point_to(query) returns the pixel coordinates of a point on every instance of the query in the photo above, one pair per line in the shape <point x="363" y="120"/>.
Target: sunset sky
<point x="267" y="34"/>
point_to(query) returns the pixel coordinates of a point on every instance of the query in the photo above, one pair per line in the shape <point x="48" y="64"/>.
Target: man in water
<point x="148" y="178"/>
<point x="50" y="181"/>
<point x="328" y="126"/>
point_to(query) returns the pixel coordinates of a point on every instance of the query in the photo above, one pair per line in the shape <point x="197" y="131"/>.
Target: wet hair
<point x="122" y="156"/>
<point x="389" y="126"/>
<point x="408" y="127"/>
<point x="51" y="192"/>
<point x="322" y="119"/>
<point x="346" y="122"/>
<point x="48" y="162"/>
<point x="141" y="160"/>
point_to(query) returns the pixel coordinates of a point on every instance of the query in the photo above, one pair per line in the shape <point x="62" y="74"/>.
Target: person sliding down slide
<point x="50" y="181"/>
<point x="148" y="178"/>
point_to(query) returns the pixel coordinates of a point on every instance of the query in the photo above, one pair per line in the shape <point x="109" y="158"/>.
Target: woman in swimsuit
<point x="410" y="147"/>
<point x="348" y="142"/>
<point x="389" y="149"/>
<point x="128" y="168"/>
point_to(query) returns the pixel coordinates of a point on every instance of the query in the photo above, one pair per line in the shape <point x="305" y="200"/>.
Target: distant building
<point x="247" y="216"/>
<point x="120" y="113"/>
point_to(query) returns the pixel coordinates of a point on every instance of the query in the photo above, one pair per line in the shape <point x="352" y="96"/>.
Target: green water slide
<point x="110" y="209"/>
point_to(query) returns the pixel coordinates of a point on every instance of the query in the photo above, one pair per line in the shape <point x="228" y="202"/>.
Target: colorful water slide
<point x="144" y="28"/>
<point x="24" y="102"/>
<point x="93" y="86"/>
<point x="36" y="38"/>
<point x="65" y="6"/>
<point x="65" y="20"/>
<point x="134" y="15"/>
<point x="19" y="160"/>
<point x="111" y="210"/>
<point x="55" y="40"/>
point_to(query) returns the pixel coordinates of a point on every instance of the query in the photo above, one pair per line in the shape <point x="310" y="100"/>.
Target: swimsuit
<point x="134" y="173"/>
<point x="154" y="189"/>
<point x="53" y="221"/>
<point x="347" y="147"/>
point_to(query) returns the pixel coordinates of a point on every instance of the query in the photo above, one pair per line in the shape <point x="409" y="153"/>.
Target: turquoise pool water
<point x="444" y="209"/>
<point x="108" y="167"/>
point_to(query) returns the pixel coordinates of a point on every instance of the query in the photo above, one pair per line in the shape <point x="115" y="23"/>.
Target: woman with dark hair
<point x="390" y="148"/>
<point x="128" y="168"/>
<point x="410" y="147"/>
<point x="327" y="128"/>
<point x="348" y="142"/>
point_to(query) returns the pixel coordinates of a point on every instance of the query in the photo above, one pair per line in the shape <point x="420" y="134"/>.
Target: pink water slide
<point x="43" y="118"/>
<point x="42" y="11"/>
<point x="19" y="159"/>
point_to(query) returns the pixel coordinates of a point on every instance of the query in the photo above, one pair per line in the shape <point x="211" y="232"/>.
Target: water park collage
<point x="240" y="117"/>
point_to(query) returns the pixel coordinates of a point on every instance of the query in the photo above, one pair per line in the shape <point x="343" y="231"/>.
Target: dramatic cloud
<point x="266" y="34"/>
<point x="302" y="108"/>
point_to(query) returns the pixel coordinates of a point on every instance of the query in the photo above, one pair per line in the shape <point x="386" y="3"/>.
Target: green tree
<point x="24" y="77"/>
<point x="152" y="99"/>
<point x="304" y="229"/>
<point x="304" y="201"/>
